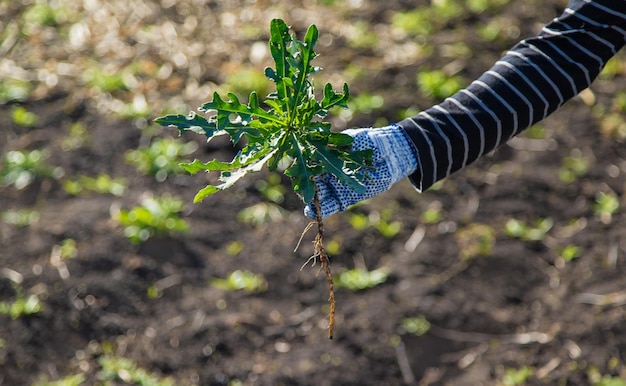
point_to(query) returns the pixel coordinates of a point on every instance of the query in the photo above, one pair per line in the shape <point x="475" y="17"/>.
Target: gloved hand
<point x="394" y="158"/>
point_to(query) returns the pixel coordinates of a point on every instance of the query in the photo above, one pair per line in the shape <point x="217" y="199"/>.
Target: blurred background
<point x="509" y="272"/>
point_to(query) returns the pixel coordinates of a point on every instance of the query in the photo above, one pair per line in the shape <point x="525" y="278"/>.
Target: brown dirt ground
<point x="518" y="306"/>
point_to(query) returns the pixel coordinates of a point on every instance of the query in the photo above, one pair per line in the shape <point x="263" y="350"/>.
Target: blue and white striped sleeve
<point x="532" y="80"/>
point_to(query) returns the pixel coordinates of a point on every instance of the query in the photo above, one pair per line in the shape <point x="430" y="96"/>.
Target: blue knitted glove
<point x="394" y="158"/>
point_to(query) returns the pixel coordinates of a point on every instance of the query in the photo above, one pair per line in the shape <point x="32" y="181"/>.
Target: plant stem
<point x="320" y="251"/>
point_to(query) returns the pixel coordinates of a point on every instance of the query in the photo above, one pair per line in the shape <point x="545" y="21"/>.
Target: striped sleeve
<point x="532" y="80"/>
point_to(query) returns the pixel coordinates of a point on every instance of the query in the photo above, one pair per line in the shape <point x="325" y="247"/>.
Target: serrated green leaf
<point x="332" y="98"/>
<point x="192" y="122"/>
<point x="300" y="173"/>
<point x="214" y="165"/>
<point x="204" y="192"/>
<point x="243" y="115"/>
<point x="331" y="162"/>
<point x="230" y="178"/>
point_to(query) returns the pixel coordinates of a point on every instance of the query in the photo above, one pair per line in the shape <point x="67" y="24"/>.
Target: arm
<point x="532" y="80"/>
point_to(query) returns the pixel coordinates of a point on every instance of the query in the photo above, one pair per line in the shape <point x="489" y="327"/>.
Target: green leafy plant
<point x="285" y="130"/>
<point x="156" y="216"/>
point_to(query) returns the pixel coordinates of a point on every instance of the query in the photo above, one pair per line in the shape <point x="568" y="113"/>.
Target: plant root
<point x="320" y="252"/>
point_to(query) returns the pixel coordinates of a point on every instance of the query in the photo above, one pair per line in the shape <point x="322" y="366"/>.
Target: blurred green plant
<point x="161" y="158"/>
<point x="381" y="221"/>
<point x="416" y="22"/>
<point x="614" y="67"/>
<point x="358" y="279"/>
<point x="68" y="249"/>
<point x="241" y="280"/>
<point x="105" y="81"/>
<point x="433" y="214"/>
<point x="20" y="217"/>
<point x="596" y="378"/>
<point x="573" y="166"/>
<point x="271" y="188"/>
<point x="103" y="184"/>
<point x="157" y="216"/>
<point x="481" y="6"/>
<point x="261" y="213"/>
<point x="517" y="377"/>
<point x="569" y="253"/>
<point x="365" y="103"/>
<point x="425" y="20"/>
<point x="439" y="85"/>
<point x="69" y="380"/>
<point x="612" y="119"/>
<point x="536" y="131"/>
<point x="246" y="81"/>
<point x="42" y="13"/>
<point x="14" y="90"/>
<point x="22" y="305"/>
<point x="606" y="205"/>
<point x="234" y="248"/>
<point x="523" y="231"/>
<point x="117" y="368"/>
<point x="475" y="240"/>
<point x="415" y="325"/>
<point x="77" y="137"/>
<point x="23" y="117"/>
<point x="21" y="167"/>
<point x="362" y="36"/>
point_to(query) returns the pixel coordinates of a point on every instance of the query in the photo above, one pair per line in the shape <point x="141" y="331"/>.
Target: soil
<point x="518" y="304"/>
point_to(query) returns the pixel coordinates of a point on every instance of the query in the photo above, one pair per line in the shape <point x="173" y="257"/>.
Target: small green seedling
<point x="526" y="232"/>
<point x="438" y="84"/>
<point x="22" y="305"/>
<point x="569" y="253"/>
<point x="606" y="205"/>
<point x="416" y="325"/>
<point x="241" y="281"/>
<point x="156" y="216"/>
<point x="103" y="184"/>
<point x="117" y="368"/>
<point x="284" y="130"/>
<point x="23" y="117"/>
<point x="517" y="377"/>
<point x="358" y="279"/>
<point x="161" y="158"/>
<point x="20" y="168"/>
<point x="20" y="217"/>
